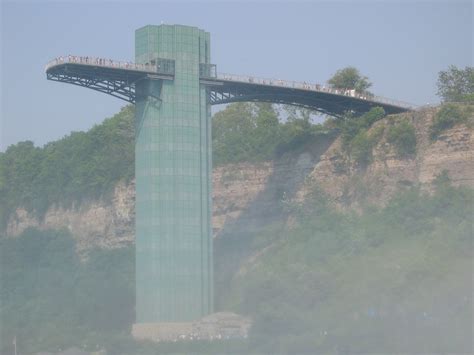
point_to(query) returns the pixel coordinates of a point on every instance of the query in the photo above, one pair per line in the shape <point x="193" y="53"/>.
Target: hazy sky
<point x="400" y="45"/>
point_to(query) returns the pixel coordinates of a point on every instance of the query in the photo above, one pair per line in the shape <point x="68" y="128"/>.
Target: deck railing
<point x="102" y="62"/>
<point x="312" y="87"/>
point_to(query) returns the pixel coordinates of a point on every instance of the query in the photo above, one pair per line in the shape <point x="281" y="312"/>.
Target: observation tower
<point x="173" y="85"/>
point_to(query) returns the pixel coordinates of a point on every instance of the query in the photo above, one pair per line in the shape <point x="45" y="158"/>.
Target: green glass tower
<point x="174" y="267"/>
<point x="172" y="84"/>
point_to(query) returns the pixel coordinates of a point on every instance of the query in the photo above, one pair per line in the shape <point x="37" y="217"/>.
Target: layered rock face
<point x="246" y="196"/>
<point x="99" y="223"/>
<point x="350" y="185"/>
<point x="243" y="194"/>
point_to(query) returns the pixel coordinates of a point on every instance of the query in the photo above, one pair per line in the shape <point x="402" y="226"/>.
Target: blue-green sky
<point x="400" y="45"/>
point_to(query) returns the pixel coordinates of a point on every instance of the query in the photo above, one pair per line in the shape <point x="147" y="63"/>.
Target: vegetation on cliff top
<point x="87" y="165"/>
<point x="256" y="132"/>
<point x="357" y="141"/>
<point x="82" y="165"/>
<point x="449" y="115"/>
<point x="456" y="85"/>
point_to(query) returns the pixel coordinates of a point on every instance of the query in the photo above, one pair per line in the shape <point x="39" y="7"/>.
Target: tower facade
<point x="174" y="267"/>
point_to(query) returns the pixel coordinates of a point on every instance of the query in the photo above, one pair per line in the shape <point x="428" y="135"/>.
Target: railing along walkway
<point x="312" y="87"/>
<point x="101" y="62"/>
<point x="109" y="63"/>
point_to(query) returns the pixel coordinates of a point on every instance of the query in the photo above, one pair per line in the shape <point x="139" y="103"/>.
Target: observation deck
<point x="106" y="75"/>
<point x="119" y="79"/>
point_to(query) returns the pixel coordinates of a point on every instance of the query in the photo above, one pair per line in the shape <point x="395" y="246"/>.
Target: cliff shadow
<point x="236" y="241"/>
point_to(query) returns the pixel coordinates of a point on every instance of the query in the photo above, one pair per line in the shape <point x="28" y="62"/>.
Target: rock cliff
<point x="104" y="223"/>
<point x="247" y="195"/>
<point x="350" y="185"/>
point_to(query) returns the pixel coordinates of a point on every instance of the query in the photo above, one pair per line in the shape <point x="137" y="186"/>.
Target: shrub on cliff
<point x="351" y="126"/>
<point x="361" y="148"/>
<point x="403" y="137"/>
<point x="356" y="139"/>
<point x="448" y="116"/>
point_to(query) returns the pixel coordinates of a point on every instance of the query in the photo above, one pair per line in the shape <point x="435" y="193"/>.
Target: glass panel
<point x="173" y="167"/>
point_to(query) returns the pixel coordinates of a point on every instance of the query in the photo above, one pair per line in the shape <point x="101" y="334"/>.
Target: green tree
<point x="350" y="126"/>
<point x="448" y="116"/>
<point x="267" y="132"/>
<point x="298" y="129"/>
<point x="456" y="84"/>
<point x="356" y="139"/>
<point x="245" y="132"/>
<point x="83" y="165"/>
<point x="230" y="128"/>
<point x="350" y="79"/>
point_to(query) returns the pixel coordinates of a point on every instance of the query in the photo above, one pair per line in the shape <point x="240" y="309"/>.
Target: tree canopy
<point x="85" y="165"/>
<point x="349" y="78"/>
<point x="79" y="166"/>
<point x="456" y="84"/>
<point x="255" y="132"/>
<point x="244" y="131"/>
